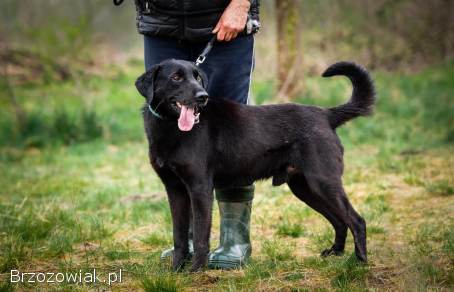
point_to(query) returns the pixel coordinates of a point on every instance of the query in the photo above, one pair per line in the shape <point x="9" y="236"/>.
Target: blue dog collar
<point x="154" y="113"/>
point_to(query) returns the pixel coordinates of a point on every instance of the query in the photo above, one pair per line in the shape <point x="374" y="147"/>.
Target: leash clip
<point x="200" y="60"/>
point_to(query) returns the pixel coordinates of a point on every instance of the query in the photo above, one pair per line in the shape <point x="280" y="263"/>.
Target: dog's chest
<point x="164" y="151"/>
<point x="161" y="154"/>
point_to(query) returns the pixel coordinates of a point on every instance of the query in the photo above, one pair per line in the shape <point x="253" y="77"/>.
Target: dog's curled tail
<point x="363" y="97"/>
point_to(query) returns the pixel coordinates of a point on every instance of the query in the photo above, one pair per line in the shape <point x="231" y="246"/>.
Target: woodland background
<point x="77" y="192"/>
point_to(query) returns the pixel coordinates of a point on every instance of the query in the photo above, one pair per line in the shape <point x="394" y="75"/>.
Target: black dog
<point x="196" y="144"/>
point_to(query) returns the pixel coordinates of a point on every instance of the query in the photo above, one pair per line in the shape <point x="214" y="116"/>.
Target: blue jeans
<point x="228" y="66"/>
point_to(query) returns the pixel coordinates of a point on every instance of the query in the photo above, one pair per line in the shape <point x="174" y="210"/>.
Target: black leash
<point x="201" y="58"/>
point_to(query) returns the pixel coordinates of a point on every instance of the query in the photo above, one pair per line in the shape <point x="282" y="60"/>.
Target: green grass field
<point x="77" y="192"/>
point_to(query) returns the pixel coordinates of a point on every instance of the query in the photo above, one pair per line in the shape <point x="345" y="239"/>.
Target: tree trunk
<point x="448" y="31"/>
<point x="289" y="55"/>
<point x="18" y="110"/>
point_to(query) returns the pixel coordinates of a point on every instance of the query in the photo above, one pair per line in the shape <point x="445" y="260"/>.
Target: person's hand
<point x="233" y="20"/>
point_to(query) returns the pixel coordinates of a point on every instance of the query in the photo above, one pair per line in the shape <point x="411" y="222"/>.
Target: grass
<point x="87" y="198"/>
<point x="164" y="283"/>
<point x="290" y="229"/>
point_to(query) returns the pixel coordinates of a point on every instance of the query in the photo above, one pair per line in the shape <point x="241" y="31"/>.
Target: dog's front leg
<point x="202" y="202"/>
<point x="180" y="208"/>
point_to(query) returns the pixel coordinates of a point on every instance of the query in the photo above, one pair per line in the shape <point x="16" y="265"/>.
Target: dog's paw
<point x="178" y="265"/>
<point x="199" y="264"/>
<point x="332" y="251"/>
<point x="179" y="261"/>
<point x="361" y="256"/>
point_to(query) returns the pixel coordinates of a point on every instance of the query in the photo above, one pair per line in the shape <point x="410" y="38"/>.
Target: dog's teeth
<point x="179" y="104"/>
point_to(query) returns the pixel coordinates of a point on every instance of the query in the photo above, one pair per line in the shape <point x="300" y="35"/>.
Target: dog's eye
<point x="198" y="78"/>
<point x="176" y="77"/>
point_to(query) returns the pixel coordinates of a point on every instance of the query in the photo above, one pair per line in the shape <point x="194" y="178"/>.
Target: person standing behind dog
<point x="181" y="30"/>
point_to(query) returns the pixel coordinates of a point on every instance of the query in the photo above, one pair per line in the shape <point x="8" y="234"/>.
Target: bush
<point x="39" y="129"/>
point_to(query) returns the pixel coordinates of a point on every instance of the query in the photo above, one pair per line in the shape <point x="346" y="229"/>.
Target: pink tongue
<point x="187" y="119"/>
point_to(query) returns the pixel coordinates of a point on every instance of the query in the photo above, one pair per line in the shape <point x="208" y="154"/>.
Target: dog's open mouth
<point x="188" y="117"/>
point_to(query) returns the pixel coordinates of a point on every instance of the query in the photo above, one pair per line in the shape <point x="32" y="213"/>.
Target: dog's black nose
<point x="201" y="94"/>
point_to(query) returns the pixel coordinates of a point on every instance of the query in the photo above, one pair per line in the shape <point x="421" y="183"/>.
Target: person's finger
<point x="221" y="35"/>
<point x="217" y="27"/>
<point x="231" y="35"/>
<point x="228" y="37"/>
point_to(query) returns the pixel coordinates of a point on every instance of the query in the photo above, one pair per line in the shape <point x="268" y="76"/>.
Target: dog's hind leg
<point x="330" y="193"/>
<point x="322" y="167"/>
<point x="299" y="187"/>
<point x="357" y="225"/>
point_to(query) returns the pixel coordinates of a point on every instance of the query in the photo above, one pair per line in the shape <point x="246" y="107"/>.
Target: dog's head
<point x="176" y="89"/>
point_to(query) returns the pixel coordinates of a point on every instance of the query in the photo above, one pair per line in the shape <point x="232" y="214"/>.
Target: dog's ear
<point x="145" y="83"/>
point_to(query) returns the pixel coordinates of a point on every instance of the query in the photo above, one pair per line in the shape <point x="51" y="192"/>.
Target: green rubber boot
<point x="234" y="248"/>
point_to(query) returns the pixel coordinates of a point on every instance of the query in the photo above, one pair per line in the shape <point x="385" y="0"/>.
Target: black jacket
<point x="190" y="20"/>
